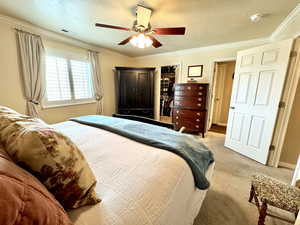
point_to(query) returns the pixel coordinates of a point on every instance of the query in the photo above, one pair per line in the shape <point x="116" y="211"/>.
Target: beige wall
<point x="10" y="86"/>
<point x="10" y="89"/>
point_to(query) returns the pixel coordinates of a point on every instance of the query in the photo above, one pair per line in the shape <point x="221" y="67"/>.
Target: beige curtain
<point x="32" y="61"/>
<point x="97" y="82"/>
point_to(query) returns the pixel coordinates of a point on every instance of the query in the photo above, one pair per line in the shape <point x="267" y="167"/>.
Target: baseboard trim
<point x="287" y="165"/>
<point x="222" y="124"/>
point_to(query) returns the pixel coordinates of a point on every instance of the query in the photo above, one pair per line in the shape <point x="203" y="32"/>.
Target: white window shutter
<point x="81" y="77"/>
<point x="57" y="79"/>
<point x="67" y="81"/>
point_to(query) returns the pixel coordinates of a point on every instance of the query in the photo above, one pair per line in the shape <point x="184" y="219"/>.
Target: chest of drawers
<point x="189" y="109"/>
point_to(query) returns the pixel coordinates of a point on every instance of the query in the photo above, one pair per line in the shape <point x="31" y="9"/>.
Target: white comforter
<point x="138" y="184"/>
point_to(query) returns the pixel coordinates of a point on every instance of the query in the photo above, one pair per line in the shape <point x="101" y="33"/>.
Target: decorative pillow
<point x="6" y="110"/>
<point x="24" y="200"/>
<point x="52" y="157"/>
<point x="7" y="117"/>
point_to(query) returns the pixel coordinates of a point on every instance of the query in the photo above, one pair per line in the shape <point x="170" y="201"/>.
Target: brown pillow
<point x="24" y="200"/>
<point x="52" y="157"/>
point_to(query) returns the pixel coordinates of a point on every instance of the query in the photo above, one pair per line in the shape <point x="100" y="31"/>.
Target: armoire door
<point x="144" y="91"/>
<point x="128" y="89"/>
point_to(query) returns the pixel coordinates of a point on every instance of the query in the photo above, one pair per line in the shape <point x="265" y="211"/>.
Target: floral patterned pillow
<point x="52" y="157"/>
<point x="5" y="110"/>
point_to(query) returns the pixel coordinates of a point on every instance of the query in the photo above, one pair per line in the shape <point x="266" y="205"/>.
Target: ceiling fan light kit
<point x="144" y="37"/>
<point x="141" y="41"/>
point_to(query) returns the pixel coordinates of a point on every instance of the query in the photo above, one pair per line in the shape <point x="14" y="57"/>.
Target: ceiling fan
<point x="144" y="32"/>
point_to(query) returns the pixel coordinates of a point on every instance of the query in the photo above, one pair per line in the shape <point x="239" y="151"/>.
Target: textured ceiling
<point x="208" y="22"/>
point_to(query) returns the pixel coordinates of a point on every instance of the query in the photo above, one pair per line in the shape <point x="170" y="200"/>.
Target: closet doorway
<point x="168" y="79"/>
<point x="222" y="88"/>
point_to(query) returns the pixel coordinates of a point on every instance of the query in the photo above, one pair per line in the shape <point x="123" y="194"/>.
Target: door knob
<point x="232" y="107"/>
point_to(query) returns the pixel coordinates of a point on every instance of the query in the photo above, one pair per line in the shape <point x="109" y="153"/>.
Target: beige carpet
<point x="226" y="202"/>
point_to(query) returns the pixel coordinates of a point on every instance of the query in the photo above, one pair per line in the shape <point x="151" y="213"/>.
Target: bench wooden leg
<point x="252" y="192"/>
<point x="262" y="213"/>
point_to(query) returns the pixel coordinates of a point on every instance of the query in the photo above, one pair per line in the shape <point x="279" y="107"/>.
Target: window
<point x="67" y="81"/>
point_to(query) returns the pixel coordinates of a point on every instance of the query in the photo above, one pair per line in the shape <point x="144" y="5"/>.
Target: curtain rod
<point x="93" y="51"/>
<point x="17" y="29"/>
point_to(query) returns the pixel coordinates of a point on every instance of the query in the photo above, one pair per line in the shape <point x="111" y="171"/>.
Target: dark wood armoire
<point x="189" y="109"/>
<point x="135" y="91"/>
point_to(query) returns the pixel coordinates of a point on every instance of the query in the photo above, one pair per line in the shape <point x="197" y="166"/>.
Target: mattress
<point x="138" y="184"/>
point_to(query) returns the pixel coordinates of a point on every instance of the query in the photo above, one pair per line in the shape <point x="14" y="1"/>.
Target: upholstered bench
<point x="268" y="191"/>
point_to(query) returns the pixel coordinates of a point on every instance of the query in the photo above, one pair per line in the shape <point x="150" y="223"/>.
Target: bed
<point x="138" y="184"/>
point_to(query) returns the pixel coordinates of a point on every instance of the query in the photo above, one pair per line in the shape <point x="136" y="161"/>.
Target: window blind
<point x="81" y="79"/>
<point x="67" y="80"/>
<point x="57" y="79"/>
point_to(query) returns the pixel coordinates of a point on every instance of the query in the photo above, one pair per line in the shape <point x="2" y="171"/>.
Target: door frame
<point x="157" y="77"/>
<point x="212" y="88"/>
<point x="219" y="82"/>
<point x="288" y="96"/>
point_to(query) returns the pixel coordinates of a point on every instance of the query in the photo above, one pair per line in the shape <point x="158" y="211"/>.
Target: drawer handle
<point x="198" y="104"/>
<point x="197" y="126"/>
<point x="198" y="114"/>
<point x="176" y="117"/>
<point x="197" y="120"/>
<point x="176" y="123"/>
<point x="201" y="88"/>
<point x="189" y="88"/>
<point x="177" y="111"/>
<point x="200" y="93"/>
<point x="200" y="99"/>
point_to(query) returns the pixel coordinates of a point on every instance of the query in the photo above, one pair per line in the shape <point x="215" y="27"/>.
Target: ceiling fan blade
<point x="112" y="27"/>
<point x="155" y="43"/>
<point x="124" y="42"/>
<point x="170" y="31"/>
<point x="143" y="15"/>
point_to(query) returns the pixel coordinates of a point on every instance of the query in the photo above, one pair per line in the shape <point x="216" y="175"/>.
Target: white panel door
<point x="258" y="83"/>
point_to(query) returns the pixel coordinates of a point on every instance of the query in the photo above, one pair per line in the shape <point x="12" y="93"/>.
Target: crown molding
<point x="51" y="35"/>
<point x="209" y="48"/>
<point x="285" y="23"/>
